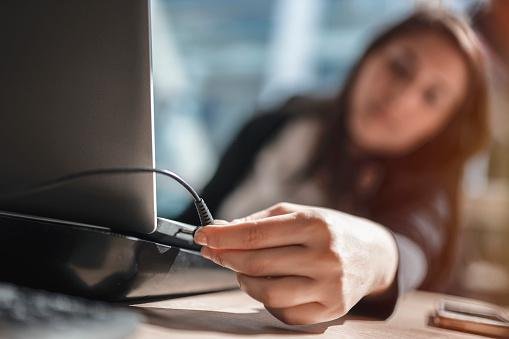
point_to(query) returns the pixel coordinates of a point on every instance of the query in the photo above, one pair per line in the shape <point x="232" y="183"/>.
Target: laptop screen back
<point x="76" y="95"/>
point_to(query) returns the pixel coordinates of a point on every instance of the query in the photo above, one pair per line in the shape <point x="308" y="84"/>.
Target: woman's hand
<point x="305" y="264"/>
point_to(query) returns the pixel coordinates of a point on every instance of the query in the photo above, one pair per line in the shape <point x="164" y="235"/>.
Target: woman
<point x="375" y="172"/>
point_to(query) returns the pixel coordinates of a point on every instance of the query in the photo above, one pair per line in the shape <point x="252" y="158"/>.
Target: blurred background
<point x="217" y="63"/>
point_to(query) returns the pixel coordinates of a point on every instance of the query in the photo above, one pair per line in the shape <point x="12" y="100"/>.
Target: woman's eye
<point x="431" y="97"/>
<point x="399" y="68"/>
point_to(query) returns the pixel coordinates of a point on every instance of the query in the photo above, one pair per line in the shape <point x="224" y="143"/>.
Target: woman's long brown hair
<point x="439" y="161"/>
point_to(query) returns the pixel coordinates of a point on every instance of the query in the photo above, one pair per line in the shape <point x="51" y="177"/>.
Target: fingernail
<point x="200" y="237"/>
<point x="220" y="222"/>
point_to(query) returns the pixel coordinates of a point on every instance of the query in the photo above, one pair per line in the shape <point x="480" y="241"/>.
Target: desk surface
<point x="235" y="315"/>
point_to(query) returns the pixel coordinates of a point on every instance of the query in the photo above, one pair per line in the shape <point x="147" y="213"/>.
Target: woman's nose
<point x="407" y="103"/>
<point x="401" y="100"/>
<point x="395" y="91"/>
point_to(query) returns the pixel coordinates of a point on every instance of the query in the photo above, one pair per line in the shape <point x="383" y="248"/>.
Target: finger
<point x="303" y="314"/>
<point x="278" y="261"/>
<point x="277" y="209"/>
<point x="280" y="230"/>
<point x="279" y="292"/>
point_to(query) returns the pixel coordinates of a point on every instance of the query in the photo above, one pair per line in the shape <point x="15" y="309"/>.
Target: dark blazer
<point x="422" y="223"/>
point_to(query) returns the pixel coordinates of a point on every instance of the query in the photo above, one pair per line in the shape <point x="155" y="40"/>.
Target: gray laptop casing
<point x="77" y="95"/>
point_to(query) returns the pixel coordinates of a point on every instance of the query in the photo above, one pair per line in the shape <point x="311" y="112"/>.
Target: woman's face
<point x="405" y="93"/>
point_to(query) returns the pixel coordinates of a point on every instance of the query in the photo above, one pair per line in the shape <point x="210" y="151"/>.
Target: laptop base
<point x="95" y="263"/>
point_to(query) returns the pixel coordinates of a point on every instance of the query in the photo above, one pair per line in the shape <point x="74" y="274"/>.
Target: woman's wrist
<point x="385" y="252"/>
<point x="368" y="252"/>
<point x="379" y="251"/>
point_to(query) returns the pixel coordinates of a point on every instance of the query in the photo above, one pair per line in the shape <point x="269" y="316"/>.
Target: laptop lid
<point x="76" y="95"/>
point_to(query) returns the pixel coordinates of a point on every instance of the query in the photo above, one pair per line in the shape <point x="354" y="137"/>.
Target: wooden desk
<point x="235" y="315"/>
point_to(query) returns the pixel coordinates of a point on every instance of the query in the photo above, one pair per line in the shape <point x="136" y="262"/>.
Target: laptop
<point x="77" y="95"/>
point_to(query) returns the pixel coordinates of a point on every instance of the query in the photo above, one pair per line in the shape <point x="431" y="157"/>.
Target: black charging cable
<point x="202" y="209"/>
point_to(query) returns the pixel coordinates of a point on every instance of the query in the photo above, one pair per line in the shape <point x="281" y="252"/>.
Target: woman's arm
<point x="348" y="262"/>
<point x="423" y="216"/>
<point x="421" y="213"/>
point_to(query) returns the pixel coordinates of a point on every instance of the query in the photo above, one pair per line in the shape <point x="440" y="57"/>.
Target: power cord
<point x="202" y="209"/>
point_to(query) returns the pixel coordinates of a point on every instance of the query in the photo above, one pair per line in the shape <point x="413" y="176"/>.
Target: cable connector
<point x="203" y="212"/>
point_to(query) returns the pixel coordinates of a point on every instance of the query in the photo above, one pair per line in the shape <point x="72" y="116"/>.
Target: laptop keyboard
<point x="28" y="313"/>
